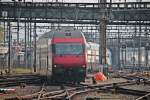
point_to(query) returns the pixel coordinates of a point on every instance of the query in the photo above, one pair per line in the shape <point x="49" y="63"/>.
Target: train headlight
<point x="55" y="66"/>
<point x="83" y="66"/>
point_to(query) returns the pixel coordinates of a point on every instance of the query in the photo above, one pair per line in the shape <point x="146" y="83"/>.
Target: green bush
<point x="1" y="34"/>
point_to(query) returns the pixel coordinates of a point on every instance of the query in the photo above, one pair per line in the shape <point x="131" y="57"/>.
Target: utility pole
<point x="28" y="49"/>
<point x="102" y="37"/>
<point x="9" y="47"/>
<point x="146" y="47"/>
<point x="18" y="30"/>
<point x="34" y="64"/>
<point x="139" y="48"/>
<point x="103" y="40"/>
<point x="30" y="41"/>
<point x="25" y="44"/>
<point x="119" y="49"/>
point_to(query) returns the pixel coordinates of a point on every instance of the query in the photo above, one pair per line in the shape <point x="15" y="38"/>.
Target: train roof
<point x="68" y="33"/>
<point x="59" y="33"/>
<point x="46" y="35"/>
<point x="92" y="45"/>
<point x="63" y="32"/>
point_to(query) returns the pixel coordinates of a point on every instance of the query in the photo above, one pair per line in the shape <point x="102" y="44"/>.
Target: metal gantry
<point x="74" y="12"/>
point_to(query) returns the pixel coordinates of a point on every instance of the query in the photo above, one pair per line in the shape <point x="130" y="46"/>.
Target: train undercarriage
<point x="74" y="75"/>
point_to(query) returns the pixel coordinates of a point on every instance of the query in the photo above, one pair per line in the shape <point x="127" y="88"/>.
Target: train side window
<point x="84" y="48"/>
<point x="53" y="48"/>
<point x="68" y="34"/>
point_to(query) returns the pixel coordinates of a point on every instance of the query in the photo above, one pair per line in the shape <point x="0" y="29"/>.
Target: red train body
<point x="67" y="49"/>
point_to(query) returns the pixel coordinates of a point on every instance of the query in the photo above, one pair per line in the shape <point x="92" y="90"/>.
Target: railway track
<point x="70" y="93"/>
<point x="7" y="81"/>
<point x="145" y="97"/>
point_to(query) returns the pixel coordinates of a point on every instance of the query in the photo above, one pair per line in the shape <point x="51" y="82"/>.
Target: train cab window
<point x="69" y="48"/>
<point x="68" y="34"/>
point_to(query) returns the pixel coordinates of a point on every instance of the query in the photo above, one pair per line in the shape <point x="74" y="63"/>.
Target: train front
<point x="68" y="56"/>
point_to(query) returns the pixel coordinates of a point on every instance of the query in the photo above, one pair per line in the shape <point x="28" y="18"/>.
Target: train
<point x="63" y="55"/>
<point x="93" y="64"/>
<point x="66" y="55"/>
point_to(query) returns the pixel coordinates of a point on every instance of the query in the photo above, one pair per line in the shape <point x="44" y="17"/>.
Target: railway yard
<point x="123" y="87"/>
<point x="74" y="49"/>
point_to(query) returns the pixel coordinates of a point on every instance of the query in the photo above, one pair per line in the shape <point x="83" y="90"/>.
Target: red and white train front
<point x="68" y="55"/>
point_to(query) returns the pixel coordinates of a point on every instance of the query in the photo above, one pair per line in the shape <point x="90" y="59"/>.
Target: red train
<point x="67" y="55"/>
